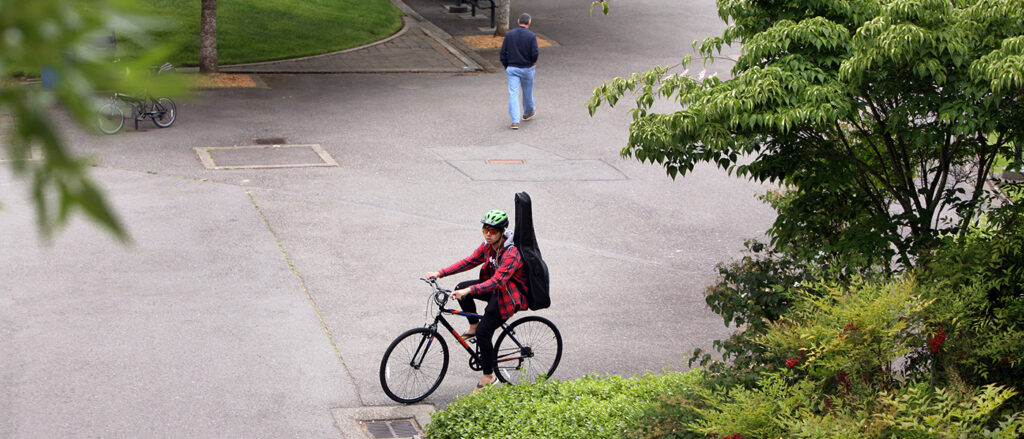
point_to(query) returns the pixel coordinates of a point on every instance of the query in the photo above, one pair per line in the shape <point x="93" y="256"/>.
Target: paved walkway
<point x="258" y="302"/>
<point x="420" y="47"/>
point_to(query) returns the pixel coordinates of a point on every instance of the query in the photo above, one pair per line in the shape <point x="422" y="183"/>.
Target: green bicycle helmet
<point x="495" y="219"/>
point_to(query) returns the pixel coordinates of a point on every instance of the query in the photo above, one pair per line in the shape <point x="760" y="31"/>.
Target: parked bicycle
<point x="416" y="362"/>
<point x="161" y="111"/>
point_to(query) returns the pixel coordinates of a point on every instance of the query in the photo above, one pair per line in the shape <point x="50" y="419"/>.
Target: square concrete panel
<point x="264" y="156"/>
<point x="510" y="151"/>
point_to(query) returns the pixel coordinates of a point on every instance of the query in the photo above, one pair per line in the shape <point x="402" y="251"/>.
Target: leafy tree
<point x="63" y="37"/>
<point x="880" y="118"/>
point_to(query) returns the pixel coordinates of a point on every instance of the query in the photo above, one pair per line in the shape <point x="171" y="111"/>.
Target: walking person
<point x="519" y="55"/>
<point x="502" y="284"/>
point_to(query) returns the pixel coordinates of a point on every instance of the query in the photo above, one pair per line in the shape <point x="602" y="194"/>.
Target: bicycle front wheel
<point x="164" y="112"/>
<point x="530" y="347"/>
<point x="414" y="365"/>
<point x="110" y="118"/>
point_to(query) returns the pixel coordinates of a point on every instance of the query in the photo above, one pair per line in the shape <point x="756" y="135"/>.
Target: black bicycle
<point x="161" y="110"/>
<point x="416" y="362"/>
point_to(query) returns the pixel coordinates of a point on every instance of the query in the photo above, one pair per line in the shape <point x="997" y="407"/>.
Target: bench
<point x="474" y="4"/>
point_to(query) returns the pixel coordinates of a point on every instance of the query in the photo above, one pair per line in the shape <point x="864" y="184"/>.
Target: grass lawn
<point x="264" y="30"/>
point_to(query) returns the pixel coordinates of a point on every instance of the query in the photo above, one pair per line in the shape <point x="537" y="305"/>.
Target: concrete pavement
<point x="258" y="302"/>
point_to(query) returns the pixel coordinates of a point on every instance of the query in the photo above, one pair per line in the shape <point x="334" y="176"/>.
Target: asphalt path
<point x="252" y="302"/>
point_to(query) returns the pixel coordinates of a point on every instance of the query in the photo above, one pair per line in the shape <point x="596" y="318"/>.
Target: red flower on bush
<point x="844" y="379"/>
<point x="790" y="362"/>
<point x="850" y="327"/>
<point x="935" y="343"/>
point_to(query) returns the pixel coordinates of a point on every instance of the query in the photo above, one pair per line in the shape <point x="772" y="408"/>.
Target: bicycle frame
<point x="137" y="104"/>
<point x="161" y="110"/>
<point x="523" y="352"/>
<point x="416" y="362"/>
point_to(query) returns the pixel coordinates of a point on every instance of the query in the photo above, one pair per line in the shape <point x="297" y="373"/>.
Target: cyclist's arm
<point x="478" y="257"/>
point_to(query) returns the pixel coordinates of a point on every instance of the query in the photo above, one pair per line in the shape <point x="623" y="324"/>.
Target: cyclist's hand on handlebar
<point x="433" y="275"/>
<point x="459" y="294"/>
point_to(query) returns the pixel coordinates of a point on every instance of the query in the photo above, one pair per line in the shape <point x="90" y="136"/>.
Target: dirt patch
<point x="493" y="42"/>
<point x="222" y="80"/>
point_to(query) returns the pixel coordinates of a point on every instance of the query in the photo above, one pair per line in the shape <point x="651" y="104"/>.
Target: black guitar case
<point x="525" y="239"/>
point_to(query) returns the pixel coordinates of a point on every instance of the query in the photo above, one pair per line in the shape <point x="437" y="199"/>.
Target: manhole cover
<point x="264" y="156"/>
<point x="393" y="428"/>
<point x="270" y="141"/>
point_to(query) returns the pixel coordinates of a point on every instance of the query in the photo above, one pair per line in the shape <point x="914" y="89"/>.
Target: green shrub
<point x="850" y="336"/>
<point x="976" y="281"/>
<point x="750" y="413"/>
<point x="834" y="369"/>
<point x="671" y="415"/>
<point x="919" y="412"/>
<point x="912" y="412"/>
<point x="588" y="407"/>
<point x="751" y="293"/>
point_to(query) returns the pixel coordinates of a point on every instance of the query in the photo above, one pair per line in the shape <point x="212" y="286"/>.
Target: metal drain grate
<point x="392" y="428"/>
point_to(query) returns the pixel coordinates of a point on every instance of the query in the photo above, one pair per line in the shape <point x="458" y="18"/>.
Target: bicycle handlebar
<point x="441" y="295"/>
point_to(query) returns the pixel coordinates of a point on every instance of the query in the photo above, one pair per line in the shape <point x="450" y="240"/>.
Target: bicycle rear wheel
<point x="110" y="118"/>
<point x="530" y="347"/>
<point x="164" y="112"/>
<point x="414" y="365"/>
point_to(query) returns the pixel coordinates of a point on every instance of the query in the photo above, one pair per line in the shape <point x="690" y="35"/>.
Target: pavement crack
<point x="312" y="302"/>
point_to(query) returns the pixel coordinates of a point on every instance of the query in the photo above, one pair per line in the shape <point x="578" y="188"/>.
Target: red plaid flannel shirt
<point x="502" y="272"/>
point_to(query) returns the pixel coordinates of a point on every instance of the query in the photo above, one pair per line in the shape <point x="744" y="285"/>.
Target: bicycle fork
<point x="421" y="351"/>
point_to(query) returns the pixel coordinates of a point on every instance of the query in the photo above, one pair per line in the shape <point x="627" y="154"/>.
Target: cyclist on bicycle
<point x="502" y="285"/>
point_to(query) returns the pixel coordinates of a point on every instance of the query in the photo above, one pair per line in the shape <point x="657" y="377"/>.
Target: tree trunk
<point x="501" y="17"/>
<point x="208" y="37"/>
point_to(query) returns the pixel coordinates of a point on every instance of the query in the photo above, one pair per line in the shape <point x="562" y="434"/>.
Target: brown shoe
<point x="529" y="116"/>
<point x="515" y="126"/>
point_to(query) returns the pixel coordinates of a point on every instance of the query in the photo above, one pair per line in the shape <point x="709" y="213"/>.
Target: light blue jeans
<point x="520" y="78"/>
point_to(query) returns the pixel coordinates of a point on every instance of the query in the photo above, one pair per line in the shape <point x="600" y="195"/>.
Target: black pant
<point x="491" y="321"/>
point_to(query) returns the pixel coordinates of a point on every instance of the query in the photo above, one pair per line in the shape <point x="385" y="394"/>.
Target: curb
<point x="445" y="39"/>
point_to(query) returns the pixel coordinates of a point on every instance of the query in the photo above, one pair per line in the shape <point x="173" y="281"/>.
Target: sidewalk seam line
<point x="569" y="244"/>
<point x="316" y="309"/>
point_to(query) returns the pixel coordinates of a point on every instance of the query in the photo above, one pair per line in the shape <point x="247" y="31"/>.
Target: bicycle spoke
<point x="529" y="348"/>
<point x="414" y="365"/>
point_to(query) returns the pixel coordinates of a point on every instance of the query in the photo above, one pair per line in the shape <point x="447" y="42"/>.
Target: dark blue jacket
<point x="519" y="48"/>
